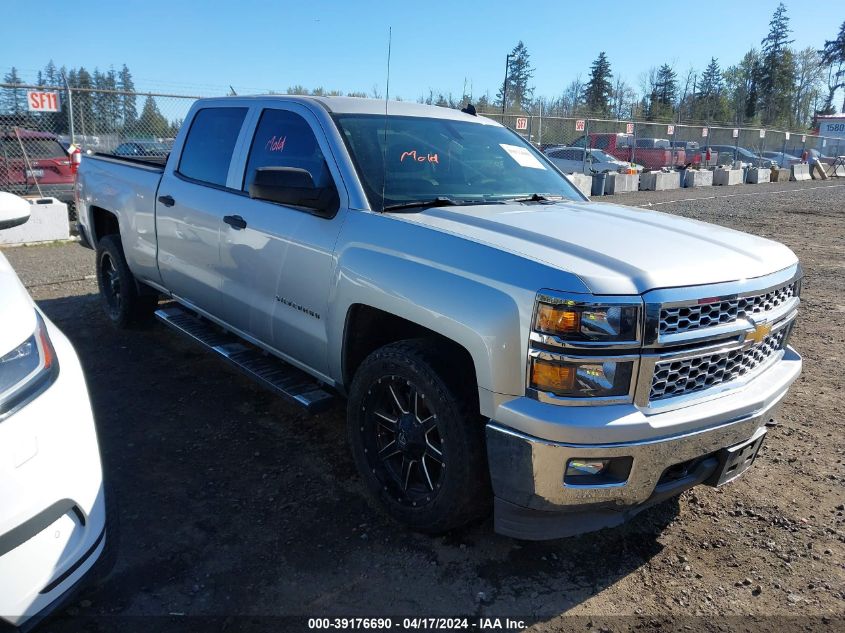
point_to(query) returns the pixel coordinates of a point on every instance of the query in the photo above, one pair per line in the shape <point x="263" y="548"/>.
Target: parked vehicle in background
<point x="502" y="342"/>
<point x="781" y="159"/>
<point x="727" y="154"/>
<point x="140" y="149"/>
<point x="52" y="504"/>
<point x="49" y="165"/>
<point x="570" y="160"/>
<point x="620" y="146"/>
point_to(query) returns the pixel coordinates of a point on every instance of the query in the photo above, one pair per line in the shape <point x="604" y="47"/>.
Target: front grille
<point x="694" y="317"/>
<point x="673" y="378"/>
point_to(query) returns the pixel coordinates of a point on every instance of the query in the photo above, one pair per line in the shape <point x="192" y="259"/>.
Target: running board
<point x="273" y="373"/>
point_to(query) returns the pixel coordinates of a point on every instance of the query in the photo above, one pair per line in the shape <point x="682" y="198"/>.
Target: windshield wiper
<point x="439" y="201"/>
<point x="536" y="197"/>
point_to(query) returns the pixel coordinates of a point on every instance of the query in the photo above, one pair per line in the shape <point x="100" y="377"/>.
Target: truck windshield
<point x="417" y="159"/>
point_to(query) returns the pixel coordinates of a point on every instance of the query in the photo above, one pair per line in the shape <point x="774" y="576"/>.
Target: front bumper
<point x="527" y="472"/>
<point x="52" y="507"/>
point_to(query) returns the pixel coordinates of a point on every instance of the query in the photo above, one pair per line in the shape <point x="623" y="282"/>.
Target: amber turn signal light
<point x="554" y="377"/>
<point x="557" y="320"/>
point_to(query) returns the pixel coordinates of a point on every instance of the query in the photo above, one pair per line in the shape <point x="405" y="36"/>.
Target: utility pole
<point x="505" y="87"/>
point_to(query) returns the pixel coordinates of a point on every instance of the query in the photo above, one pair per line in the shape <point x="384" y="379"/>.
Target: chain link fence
<point x="654" y="146"/>
<point x="41" y="125"/>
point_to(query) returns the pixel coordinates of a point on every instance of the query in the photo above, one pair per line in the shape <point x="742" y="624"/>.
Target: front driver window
<point x="284" y="139"/>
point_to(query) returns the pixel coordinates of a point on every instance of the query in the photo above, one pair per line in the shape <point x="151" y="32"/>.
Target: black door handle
<point x="235" y="221"/>
<point x="167" y="201"/>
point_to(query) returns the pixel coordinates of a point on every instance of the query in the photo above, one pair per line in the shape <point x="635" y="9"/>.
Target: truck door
<point x="276" y="264"/>
<point x="192" y="200"/>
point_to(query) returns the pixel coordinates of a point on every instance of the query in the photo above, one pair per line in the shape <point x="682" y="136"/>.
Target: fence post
<point x="540" y="128"/>
<point x="586" y="145"/>
<point x="69" y="110"/>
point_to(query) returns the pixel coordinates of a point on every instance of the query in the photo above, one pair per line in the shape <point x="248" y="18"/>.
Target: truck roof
<point x="359" y="105"/>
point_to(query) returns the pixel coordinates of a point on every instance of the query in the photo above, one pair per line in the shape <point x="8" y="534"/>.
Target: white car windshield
<point x="405" y="160"/>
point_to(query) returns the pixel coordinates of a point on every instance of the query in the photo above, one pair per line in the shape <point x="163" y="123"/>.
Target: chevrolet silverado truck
<point x="501" y="342"/>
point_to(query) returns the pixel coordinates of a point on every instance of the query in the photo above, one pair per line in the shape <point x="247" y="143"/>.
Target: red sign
<point x="803" y="138"/>
<point x="736" y="133"/>
<point x="522" y="123"/>
<point x="579" y="125"/>
<point x="704" y="132"/>
<point x="762" y="133"/>
<point x="43" y="101"/>
<point x="629" y="128"/>
<point x="670" y="130"/>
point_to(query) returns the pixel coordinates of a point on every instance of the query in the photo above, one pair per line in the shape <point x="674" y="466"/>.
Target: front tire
<point x="417" y="439"/>
<point x="123" y="302"/>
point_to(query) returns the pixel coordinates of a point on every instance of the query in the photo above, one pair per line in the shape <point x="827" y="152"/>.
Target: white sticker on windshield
<point x="522" y="156"/>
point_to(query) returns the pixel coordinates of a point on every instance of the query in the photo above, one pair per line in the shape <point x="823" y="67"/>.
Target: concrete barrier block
<point x="780" y="175"/>
<point x="582" y="182"/>
<point x="698" y="178"/>
<point x="800" y="172"/>
<point x="660" y="181"/>
<point x="724" y="177"/>
<point x="47" y="222"/>
<point x="621" y="183"/>
<point x="757" y="176"/>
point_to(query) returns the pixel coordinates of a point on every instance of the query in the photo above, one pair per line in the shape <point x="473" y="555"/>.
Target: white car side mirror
<point x="14" y="210"/>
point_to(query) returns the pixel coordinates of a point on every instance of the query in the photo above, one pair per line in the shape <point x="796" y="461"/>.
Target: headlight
<point x="574" y="321"/>
<point x="582" y="378"/>
<point x="584" y="349"/>
<point x="26" y="370"/>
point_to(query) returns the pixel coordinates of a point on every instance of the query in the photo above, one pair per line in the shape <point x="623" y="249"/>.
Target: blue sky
<point x="200" y="48"/>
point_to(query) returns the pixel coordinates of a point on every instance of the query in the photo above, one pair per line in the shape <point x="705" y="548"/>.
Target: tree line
<point x="104" y="102"/>
<point x="773" y="85"/>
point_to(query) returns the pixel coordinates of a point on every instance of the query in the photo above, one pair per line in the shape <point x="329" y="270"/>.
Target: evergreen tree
<point x="13" y="99"/>
<point x="833" y="56"/>
<point x="599" y="89"/>
<point x="151" y="123"/>
<point x="52" y="77"/>
<point x="520" y="72"/>
<point x="709" y="101"/>
<point x="777" y="71"/>
<point x="128" y="106"/>
<point x="663" y="94"/>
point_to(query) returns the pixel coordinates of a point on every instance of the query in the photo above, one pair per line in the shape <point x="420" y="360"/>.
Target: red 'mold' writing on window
<point x="422" y="158"/>
<point x="276" y="144"/>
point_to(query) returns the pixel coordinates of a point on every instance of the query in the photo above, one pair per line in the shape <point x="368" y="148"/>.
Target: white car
<point x="52" y="503"/>
<point x="571" y="160"/>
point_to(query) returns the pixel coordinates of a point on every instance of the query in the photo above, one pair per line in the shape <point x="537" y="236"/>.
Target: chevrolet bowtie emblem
<point x="760" y="332"/>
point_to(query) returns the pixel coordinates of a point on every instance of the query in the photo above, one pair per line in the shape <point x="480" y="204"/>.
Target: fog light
<point x="612" y="471"/>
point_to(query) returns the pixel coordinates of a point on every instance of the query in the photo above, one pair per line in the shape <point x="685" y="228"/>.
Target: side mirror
<point x="14" y="210"/>
<point x="294" y="187"/>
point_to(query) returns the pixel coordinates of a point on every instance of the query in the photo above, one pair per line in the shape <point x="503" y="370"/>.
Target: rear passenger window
<point x="284" y="139"/>
<point x="210" y="144"/>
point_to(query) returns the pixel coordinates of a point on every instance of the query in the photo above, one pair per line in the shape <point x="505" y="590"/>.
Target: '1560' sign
<point x="43" y="101"/>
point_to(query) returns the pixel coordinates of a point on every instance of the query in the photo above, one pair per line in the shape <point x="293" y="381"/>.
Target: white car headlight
<point x="27" y="370"/>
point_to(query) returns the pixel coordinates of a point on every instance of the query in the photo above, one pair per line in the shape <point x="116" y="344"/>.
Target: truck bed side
<point x="118" y="195"/>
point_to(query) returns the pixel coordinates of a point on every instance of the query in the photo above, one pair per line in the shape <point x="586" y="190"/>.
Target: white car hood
<point x="611" y="248"/>
<point x="17" y="311"/>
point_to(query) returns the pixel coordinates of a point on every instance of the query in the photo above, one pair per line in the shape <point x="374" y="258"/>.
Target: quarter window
<point x="210" y="144"/>
<point x="284" y="139"/>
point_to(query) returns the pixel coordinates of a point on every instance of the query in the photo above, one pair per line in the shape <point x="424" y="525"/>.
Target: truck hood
<point x="17" y="312"/>
<point x="611" y="248"/>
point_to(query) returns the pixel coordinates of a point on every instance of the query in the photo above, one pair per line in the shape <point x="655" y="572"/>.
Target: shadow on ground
<point x="233" y="502"/>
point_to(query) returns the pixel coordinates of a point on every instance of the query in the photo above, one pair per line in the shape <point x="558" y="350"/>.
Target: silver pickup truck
<point x="501" y="342"/>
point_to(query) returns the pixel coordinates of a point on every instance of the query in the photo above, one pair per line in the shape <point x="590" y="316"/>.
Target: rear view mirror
<point x="14" y="210"/>
<point x="294" y="187"/>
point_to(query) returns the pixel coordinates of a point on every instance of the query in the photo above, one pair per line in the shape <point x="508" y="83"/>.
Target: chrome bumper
<point x="527" y="472"/>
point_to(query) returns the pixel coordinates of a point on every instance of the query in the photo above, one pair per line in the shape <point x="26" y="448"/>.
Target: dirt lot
<point x="233" y="503"/>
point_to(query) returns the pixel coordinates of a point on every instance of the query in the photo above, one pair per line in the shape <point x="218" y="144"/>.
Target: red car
<point x="49" y="164"/>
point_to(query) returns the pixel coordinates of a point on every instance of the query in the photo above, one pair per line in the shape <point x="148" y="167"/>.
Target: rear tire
<point x="123" y="301"/>
<point x="416" y="437"/>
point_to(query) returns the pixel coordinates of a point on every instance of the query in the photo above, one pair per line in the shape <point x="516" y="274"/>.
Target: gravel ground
<point x="234" y="503"/>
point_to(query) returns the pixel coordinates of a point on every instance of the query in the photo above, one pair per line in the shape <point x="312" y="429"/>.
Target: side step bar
<point x="273" y="373"/>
